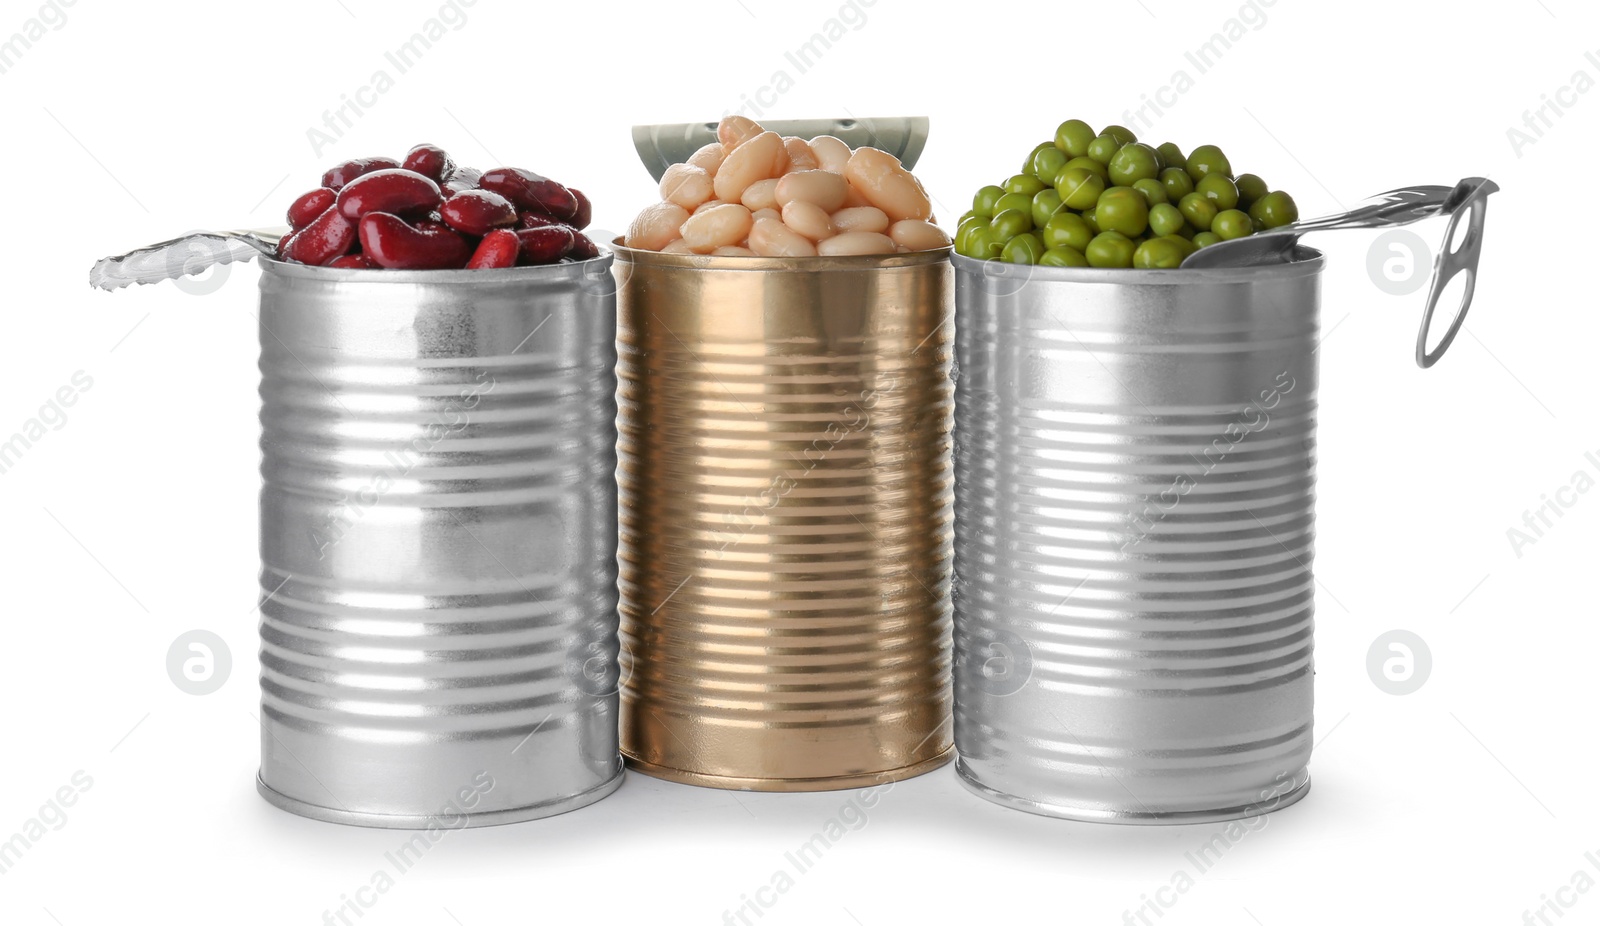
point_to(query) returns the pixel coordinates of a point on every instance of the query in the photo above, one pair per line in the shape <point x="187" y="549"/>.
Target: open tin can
<point x="438" y="536"/>
<point x="1135" y="458"/>
<point x="785" y="496"/>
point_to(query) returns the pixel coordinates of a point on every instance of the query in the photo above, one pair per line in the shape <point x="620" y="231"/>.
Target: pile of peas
<point x="1107" y="200"/>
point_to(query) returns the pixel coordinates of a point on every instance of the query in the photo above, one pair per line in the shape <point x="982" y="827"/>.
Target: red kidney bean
<point x="396" y="191"/>
<point x="336" y="178"/>
<point x="583" y="247"/>
<point x="355" y="262"/>
<point x="393" y="244"/>
<point x="430" y="161"/>
<point x="461" y="180"/>
<point x="328" y="236"/>
<point x="537" y="220"/>
<point x="545" y="245"/>
<point x="580" y="219"/>
<point x="310" y="205"/>
<point x="477" y="212"/>
<point x="499" y="248"/>
<point x="530" y="191"/>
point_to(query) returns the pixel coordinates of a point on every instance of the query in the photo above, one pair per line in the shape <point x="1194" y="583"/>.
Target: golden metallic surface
<point x="784" y="483"/>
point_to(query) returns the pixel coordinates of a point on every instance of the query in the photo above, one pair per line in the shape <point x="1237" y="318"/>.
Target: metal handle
<point x="1469" y="198"/>
<point x="185" y="256"/>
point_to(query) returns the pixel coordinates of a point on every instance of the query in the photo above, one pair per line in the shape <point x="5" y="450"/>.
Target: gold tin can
<point x="785" y="502"/>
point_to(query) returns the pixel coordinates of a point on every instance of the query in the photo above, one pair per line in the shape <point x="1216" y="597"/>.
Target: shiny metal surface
<point x="1135" y="458"/>
<point x="1467" y="199"/>
<point x="438" y="631"/>
<point x="785" y="492"/>
<point x="661" y="146"/>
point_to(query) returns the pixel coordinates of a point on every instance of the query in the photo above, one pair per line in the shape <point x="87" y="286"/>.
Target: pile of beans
<point x="753" y="193"/>
<point x="425" y="213"/>
<point x="1104" y="199"/>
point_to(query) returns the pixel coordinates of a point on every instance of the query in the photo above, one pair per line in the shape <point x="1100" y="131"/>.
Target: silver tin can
<point x="1135" y="467"/>
<point x="438" y="543"/>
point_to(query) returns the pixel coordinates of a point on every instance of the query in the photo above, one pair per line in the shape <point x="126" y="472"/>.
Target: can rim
<point x="629" y="255"/>
<point x="1307" y="261"/>
<point x="575" y="270"/>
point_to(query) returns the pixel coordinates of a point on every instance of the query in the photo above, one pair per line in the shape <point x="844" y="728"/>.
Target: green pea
<point x="1177" y="182"/>
<point x="1171" y="155"/>
<point x="983" y="201"/>
<point x="1067" y="230"/>
<point x="1123" y="135"/>
<point x="1132" y="162"/>
<point x="1088" y="219"/>
<point x="1064" y="257"/>
<point x="1197" y="209"/>
<point x="981" y="244"/>
<point x="1026" y="184"/>
<point x="1027" y="165"/>
<point x="968" y="223"/>
<point x="1023" y="249"/>
<point x="1275" y="209"/>
<point x="1182" y="242"/>
<point x="1023" y="201"/>
<point x="1231" y="223"/>
<point x="1079" y="188"/>
<point x="1073" y="137"/>
<point x="1122" y="209"/>
<point x="1010" y="223"/>
<point x="1092" y="166"/>
<point x="1154" y="193"/>
<point x="1207" y="159"/>
<point x="1046" y="161"/>
<point x="1205" y="239"/>
<point x="1110" y="249"/>
<point x="1046" y="203"/>
<point x="1165" y="219"/>
<point x="1104" y="148"/>
<point x="1158" y="254"/>
<point x="1251" y="188"/>
<point x="1219" y="189"/>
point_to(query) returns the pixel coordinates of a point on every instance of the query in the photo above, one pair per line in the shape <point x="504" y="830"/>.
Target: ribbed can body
<point x="1135" y="465"/>
<point x="438" y="630"/>
<point x="785" y="494"/>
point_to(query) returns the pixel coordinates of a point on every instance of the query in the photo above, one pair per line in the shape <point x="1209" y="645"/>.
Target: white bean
<point x="860" y="218"/>
<point x="676" y="246"/>
<point x="726" y="224"/>
<point x="808" y="219"/>
<point x="855" y="243"/>
<point x="772" y="238"/>
<point x="708" y="158"/>
<point x="760" y="158"/>
<point x="655" y="225"/>
<point x="734" y="131"/>
<point x="880" y="178"/>
<point x="831" y="153"/>
<point x="917" y="235"/>
<point x="766" y="214"/>
<point x="800" y="154"/>
<point x="686" y="185"/>
<point x="733" y="250"/>
<point x="760" y="195"/>
<point x="822" y="188"/>
<point x="708" y="204"/>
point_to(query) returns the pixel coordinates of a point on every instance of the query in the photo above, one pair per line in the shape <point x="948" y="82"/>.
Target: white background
<point x="134" y="520"/>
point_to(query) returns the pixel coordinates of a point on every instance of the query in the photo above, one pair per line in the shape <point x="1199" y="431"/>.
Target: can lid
<point x="661" y="146"/>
